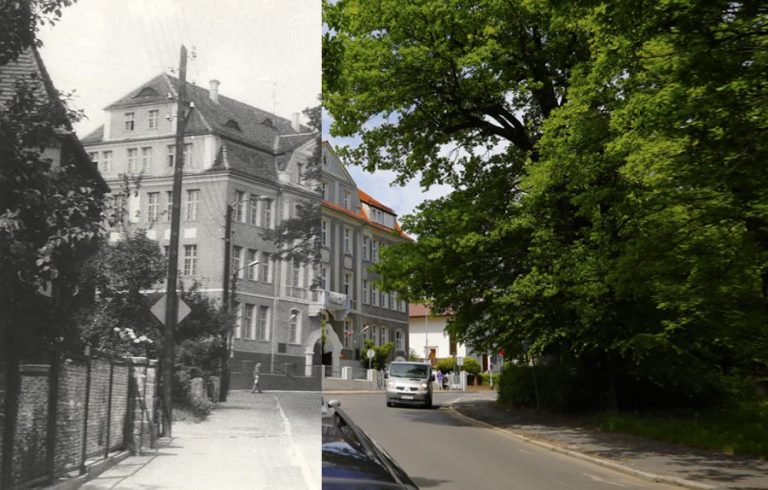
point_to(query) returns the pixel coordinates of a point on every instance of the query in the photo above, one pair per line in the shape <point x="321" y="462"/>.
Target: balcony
<point x="337" y="304"/>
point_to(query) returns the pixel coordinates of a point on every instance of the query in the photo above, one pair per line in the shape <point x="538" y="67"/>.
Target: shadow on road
<point x="428" y="482"/>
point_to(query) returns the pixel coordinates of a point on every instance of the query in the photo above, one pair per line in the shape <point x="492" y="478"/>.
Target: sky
<point x="264" y="52"/>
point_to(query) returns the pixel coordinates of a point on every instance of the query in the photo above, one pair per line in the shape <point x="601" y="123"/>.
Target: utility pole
<point x="173" y="251"/>
<point x="225" y="372"/>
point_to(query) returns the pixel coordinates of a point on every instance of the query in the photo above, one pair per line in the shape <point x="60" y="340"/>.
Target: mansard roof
<point x="226" y="117"/>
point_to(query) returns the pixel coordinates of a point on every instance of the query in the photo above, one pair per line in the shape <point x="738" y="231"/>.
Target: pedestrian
<point x="256" y="371"/>
<point x="439" y="377"/>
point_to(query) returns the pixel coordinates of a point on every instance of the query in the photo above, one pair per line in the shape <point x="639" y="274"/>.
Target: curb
<point x="92" y="471"/>
<point x="645" y="475"/>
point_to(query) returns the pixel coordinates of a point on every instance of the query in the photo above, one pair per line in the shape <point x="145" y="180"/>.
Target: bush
<point x="447" y="364"/>
<point x="558" y="387"/>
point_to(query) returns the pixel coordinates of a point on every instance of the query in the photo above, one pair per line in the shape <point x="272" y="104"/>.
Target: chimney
<point x="213" y="93"/>
<point x="295" y="122"/>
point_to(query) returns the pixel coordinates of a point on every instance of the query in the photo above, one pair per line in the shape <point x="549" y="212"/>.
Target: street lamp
<point x="230" y="342"/>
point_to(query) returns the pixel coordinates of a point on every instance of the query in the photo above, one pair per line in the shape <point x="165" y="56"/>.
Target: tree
<point x="381" y="354"/>
<point x="608" y="205"/>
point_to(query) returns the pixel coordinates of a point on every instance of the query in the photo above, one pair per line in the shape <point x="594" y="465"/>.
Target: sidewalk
<point x="268" y="440"/>
<point x="646" y="458"/>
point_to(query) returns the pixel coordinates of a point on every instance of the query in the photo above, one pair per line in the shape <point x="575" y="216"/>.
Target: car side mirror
<point x="432" y="377"/>
<point x="334" y="403"/>
<point x="386" y="375"/>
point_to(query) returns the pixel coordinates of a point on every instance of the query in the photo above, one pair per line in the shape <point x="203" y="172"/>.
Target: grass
<point x="739" y="429"/>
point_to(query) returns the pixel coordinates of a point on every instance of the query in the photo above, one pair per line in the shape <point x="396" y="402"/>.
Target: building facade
<point x="355" y="228"/>
<point x="234" y="155"/>
<point x="430" y="340"/>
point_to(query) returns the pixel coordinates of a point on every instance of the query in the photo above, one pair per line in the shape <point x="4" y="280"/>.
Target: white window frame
<point x="366" y="295"/>
<point x="349" y="332"/>
<point x="193" y="205"/>
<point x="347" y="240"/>
<point x="263" y="325"/>
<point x="146" y="159"/>
<point x="133" y="160"/>
<point x="250" y="321"/>
<point x="129" y="121"/>
<point x="253" y="255"/>
<point x="153" y="206"/>
<point x="190" y="260"/>
<point x="324" y="232"/>
<point x="106" y="164"/>
<point x="294" y="322"/>
<point x="152" y="117"/>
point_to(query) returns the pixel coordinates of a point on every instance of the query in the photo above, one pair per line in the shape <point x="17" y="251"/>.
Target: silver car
<point x="410" y="383"/>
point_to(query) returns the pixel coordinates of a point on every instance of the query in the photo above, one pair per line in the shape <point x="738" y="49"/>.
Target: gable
<point x="332" y="166"/>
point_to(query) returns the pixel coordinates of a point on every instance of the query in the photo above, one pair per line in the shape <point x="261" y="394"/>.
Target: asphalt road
<point x="441" y="450"/>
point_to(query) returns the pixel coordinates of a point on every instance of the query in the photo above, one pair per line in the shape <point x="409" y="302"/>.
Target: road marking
<point x="309" y="479"/>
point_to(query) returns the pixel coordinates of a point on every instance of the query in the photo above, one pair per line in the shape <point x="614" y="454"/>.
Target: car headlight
<point x="391" y="384"/>
<point x="423" y="386"/>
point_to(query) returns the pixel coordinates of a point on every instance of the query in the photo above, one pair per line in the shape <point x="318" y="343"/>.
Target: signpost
<point x="371" y="354"/>
<point x="158" y="309"/>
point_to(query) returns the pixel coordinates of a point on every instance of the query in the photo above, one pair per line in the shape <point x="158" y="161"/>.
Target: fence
<point x="68" y="412"/>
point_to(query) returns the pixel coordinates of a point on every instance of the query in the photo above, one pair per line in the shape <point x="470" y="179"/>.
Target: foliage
<point x="381" y="357"/>
<point x="740" y="429"/>
<point x="20" y="21"/>
<point x="609" y="187"/>
<point x="49" y="220"/>
<point x="448" y="364"/>
<point x="414" y="356"/>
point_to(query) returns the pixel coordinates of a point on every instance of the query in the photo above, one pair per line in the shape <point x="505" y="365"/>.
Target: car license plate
<point x="407" y="397"/>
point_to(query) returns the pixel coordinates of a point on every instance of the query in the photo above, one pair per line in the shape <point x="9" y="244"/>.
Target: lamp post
<point x="229" y="353"/>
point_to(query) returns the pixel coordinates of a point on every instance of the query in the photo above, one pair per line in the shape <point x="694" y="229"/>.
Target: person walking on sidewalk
<point x="256" y="371"/>
<point x="439" y="380"/>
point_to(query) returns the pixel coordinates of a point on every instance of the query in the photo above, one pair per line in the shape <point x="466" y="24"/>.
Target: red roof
<point x="419" y="310"/>
<point x="366" y="198"/>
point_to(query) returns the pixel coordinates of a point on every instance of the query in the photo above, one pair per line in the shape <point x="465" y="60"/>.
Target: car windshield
<point x="408" y="370"/>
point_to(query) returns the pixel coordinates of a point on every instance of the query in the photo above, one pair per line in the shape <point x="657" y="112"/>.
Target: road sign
<point x="371" y="353"/>
<point x="459" y="361"/>
<point x="158" y="309"/>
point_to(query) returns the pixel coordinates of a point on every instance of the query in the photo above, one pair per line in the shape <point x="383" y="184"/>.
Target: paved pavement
<point x="268" y="440"/>
<point x="440" y="449"/>
<point x="662" y="461"/>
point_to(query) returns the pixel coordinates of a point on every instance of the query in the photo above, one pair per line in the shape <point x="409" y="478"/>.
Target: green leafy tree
<point x="609" y="178"/>
<point x="382" y="354"/>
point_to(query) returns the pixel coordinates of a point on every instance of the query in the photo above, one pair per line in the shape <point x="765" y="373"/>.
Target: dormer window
<point x="232" y="124"/>
<point x="347" y="200"/>
<point x="129" y="121"/>
<point x="147" y="92"/>
<point x="268" y="123"/>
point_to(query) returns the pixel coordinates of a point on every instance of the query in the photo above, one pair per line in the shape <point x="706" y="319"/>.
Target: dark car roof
<point x="351" y="459"/>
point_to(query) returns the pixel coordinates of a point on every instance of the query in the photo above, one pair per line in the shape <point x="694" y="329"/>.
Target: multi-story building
<point x="234" y="155"/>
<point x="355" y="228"/>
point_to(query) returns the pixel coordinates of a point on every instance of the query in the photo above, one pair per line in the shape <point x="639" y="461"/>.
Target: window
<point x="347" y="200"/>
<point x="348" y="283"/>
<point x="375" y="251"/>
<point x="239" y="207"/>
<point x="94" y="156"/>
<point x="264" y="267"/>
<point x="253" y="256"/>
<point x="249" y="321"/>
<point x="128" y="121"/>
<point x="393" y="301"/>
<point x="374" y="296"/>
<point x="323" y="190"/>
<point x="295" y="327"/>
<point x="375" y="334"/>
<point x="190" y="260"/>
<point x="399" y="340"/>
<point x="169" y="205"/>
<point x="384" y="300"/>
<point x="323" y="277"/>
<point x="366" y="250"/>
<point x="152" y="119"/>
<point x="266" y="214"/>
<point x="106" y="162"/>
<point x="237" y="253"/>
<point x="366" y="299"/>
<point x="193" y="201"/>
<point x="146" y="159"/>
<point x="153" y="205"/>
<point x="295" y="273"/>
<point x="347" y="241"/>
<point x="133" y="155"/>
<point x="348" y="333"/>
<point x="384" y="335"/>
<point x="263" y="322"/>
<point x="238" y="309"/>
<point x="324" y="232"/>
<point x="171" y="154"/>
<point x="253" y="210"/>
<point x="188" y="156"/>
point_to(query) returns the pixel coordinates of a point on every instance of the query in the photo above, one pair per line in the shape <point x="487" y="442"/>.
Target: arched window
<point x="399" y="340"/>
<point x="295" y="326"/>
